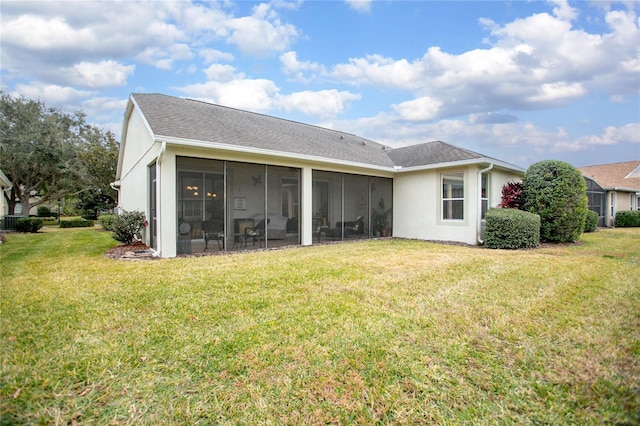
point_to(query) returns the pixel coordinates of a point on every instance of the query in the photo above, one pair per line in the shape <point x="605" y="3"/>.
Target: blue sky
<point x="521" y="81"/>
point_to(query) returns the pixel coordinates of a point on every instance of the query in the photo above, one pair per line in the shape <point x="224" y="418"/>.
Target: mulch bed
<point x="135" y="251"/>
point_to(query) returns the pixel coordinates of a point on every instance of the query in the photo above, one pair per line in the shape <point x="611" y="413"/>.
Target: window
<point x="452" y="196"/>
<point x="484" y="196"/>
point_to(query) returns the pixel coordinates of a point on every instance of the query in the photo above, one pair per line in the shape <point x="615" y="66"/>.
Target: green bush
<point x="106" y="221"/>
<point x="627" y="219"/>
<point x="29" y="224"/>
<point x="127" y="226"/>
<point x="44" y="211"/>
<point x="591" y="221"/>
<point x="511" y="229"/>
<point x="557" y="192"/>
<point x="89" y="214"/>
<point x="77" y="223"/>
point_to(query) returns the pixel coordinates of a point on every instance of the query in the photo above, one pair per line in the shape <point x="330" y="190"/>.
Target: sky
<point x="520" y="81"/>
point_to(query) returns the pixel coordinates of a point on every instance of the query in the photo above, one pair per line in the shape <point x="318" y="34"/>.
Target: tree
<point x="556" y="191"/>
<point x="99" y="156"/>
<point x="49" y="154"/>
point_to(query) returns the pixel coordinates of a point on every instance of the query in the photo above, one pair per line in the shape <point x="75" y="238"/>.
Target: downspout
<point x="479" y="224"/>
<point x="163" y="148"/>
<point x="116" y="187"/>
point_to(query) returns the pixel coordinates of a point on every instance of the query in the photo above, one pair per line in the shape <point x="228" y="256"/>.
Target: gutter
<point x="479" y="224"/>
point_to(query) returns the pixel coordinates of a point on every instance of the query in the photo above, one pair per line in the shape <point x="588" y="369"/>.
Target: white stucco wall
<point x="139" y="152"/>
<point x="417" y="204"/>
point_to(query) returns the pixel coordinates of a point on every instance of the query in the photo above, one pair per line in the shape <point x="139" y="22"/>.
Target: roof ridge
<point x="610" y="164"/>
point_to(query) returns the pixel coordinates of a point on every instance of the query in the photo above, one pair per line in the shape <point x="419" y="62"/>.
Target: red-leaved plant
<point x="512" y="196"/>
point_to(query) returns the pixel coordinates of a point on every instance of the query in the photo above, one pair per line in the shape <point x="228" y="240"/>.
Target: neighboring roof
<point x="4" y="181"/>
<point x="614" y="175"/>
<point x="196" y="121"/>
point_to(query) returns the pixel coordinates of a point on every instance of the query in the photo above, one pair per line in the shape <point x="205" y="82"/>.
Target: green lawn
<point x="381" y="331"/>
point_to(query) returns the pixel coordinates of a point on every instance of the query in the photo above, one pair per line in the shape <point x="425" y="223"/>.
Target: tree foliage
<point x="556" y="191"/>
<point x="99" y="156"/>
<point x="49" y="154"/>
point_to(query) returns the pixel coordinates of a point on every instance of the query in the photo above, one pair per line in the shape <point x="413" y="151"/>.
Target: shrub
<point x="127" y="226"/>
<point x="77" y="223"/>
<point x="44" y="211"/>
<point x="106" y="221"/>
<point x="90" y="214"/>
<point x="512" y="196"/>
<point x="556" y="191"/>
<point x="591" y="221"/>
<point x="627" y="219"/>
<point x="29" y="224"/>
<point x="511" y="229"/>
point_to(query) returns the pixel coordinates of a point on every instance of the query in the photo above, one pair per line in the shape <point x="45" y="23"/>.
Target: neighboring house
<point x="208" y="176"/>
<point x="5" y="193"/>
<point x="612" y="188"/>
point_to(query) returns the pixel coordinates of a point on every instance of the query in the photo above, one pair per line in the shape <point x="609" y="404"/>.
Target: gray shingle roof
<point x="196" y="120"/>
<point x="201" y="121"/>
<point x="431" y="153"/>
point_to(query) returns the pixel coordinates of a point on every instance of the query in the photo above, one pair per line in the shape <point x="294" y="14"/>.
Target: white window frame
<point x="484" y="200"/>
<point x="447" y="196"/>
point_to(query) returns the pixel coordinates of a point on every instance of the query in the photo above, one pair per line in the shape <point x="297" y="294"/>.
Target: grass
<point x="388" y="332"/>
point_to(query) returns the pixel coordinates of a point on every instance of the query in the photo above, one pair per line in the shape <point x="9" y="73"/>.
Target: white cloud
<point x="98" y="74"/>
<point x="611" y="135"/>
<point x="296" y="69"/>
<point x="221" y="73"/>
<point x="322" y="103"/>
<point x="261" y="33"/>
<point x="421" y="109"/>
<point x="563" y="10"/>
<point x="534" y="62"/>
<point x="380" y="71"/>
<point x="359" y="5"/>
<point x="212" y="55"/>
<point x="253" y="95"/>
<point x="51" y="94"/>
<point x="557" y="92"/>
<point x="38" y="33"/>
<point x="163" y="58"/>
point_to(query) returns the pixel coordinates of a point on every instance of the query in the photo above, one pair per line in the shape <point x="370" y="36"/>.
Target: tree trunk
<point x="12" y="201"/>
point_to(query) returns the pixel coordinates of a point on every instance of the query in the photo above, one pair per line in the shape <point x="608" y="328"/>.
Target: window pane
<point x="452" y="209"/>
<point x="453" y="196"/>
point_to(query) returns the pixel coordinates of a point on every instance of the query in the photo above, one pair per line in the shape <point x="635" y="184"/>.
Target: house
<point x="5" y="193"/>
<point x="612" y="188"/>
<point x="209" y="177"/>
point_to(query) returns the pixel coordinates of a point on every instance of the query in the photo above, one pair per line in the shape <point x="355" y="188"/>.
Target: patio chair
<point x="213" y="230"/>
<point x="257" y="233"/>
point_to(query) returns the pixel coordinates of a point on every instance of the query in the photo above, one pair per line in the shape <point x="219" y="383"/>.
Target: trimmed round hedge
<point x="557" y="192"/>
<point x="591" y="221"/>
<point x="627" y="219"/>
<point x="511" y="229"/>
